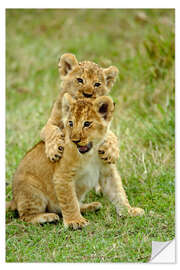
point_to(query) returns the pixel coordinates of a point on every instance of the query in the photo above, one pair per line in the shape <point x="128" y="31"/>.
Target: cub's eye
<point x="70" y="123"/>
<point x="87" y="124"/>
<point x="97" y="84"/>
<point x="80" y="80"/>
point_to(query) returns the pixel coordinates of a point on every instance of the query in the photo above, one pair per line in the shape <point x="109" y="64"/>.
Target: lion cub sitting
<point x="41" y="189"/>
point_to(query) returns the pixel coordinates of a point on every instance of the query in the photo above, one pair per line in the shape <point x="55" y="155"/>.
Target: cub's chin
<point x="85" y="148"/>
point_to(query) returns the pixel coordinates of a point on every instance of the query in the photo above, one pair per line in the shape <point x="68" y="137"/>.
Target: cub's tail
<point x="11" y="205"/>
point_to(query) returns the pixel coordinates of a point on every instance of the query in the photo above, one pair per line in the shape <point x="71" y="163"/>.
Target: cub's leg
<point x="67" y="198"/>
<point x="53" y="132"/>
<point x="31" y="205"/>
<point x="108" y="152"/>
<point x="112" y="187"/>
<point x="94" y="206"/>
<point x="80" y="193"/>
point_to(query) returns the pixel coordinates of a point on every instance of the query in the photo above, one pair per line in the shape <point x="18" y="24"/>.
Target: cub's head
<point x="85" y="79"/>
<point x="86" y="120"/>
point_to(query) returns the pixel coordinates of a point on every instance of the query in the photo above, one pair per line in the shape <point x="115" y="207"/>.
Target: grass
<point x="141" y="44"/>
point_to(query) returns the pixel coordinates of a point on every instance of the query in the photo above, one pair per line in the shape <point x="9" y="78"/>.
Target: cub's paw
<point x="54" y="150"/>
<point x="41" y="218"/>
<point x="75" y="224"/>
<point x="108" y="152"/>
<point x="94" y="206"/>
<point x="135" y="211"/>
<point x="48" y="217"/>
<point x="54" y="146"/>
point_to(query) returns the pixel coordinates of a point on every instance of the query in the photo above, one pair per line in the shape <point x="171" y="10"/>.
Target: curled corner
<point x="163" y="252"/>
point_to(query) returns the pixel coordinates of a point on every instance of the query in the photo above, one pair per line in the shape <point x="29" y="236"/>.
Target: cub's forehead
<point x="91" y="69"/>
<point x="83" y="108"/>
<point x="90" y="65"/>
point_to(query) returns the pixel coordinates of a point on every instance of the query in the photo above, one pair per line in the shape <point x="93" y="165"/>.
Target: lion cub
<point x="79" y="79"/>
<point x="41" y="189"/>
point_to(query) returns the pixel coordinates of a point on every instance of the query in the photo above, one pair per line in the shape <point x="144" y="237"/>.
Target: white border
<point x="91" y="4"/>
<point x="73" y="4"/>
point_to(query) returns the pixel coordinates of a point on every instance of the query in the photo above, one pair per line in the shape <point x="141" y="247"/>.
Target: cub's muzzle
<point x="85" y="148"/>
<point x="87" y="95"/>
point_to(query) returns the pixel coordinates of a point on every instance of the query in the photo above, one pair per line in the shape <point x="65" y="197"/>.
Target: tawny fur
<point x="42" y="189"/>
<point x="89" y="74"/>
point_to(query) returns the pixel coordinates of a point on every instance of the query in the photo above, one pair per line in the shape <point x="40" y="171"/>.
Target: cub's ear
<point x="110" y="74"/>
<point x="67" y="62"/>
<point x="67" y="102"/>
<point x="105" y="107"/>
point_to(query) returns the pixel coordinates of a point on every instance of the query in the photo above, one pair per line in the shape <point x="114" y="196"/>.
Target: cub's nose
<point x="76" y="141"/>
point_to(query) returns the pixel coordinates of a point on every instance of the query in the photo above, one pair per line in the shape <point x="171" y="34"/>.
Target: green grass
<point x="141" y="44"/>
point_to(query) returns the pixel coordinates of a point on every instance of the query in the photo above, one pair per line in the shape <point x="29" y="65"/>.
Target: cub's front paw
<point x="109" y="149"/>
<point x="108" y="153"/>
<point x="54" y="147"/>
<point x="76" y="223"/>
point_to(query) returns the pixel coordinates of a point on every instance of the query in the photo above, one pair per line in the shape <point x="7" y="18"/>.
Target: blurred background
<point x="140" y="42"/>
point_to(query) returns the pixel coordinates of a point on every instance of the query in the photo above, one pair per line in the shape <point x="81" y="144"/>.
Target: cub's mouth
<point x="85" y="148"/>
